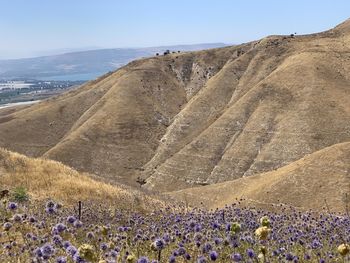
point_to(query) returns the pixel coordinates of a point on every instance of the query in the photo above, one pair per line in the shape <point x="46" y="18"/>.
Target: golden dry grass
<point x="46" y="179"/>
<point x="195" y="118"/>
<point x="306" y="184"/>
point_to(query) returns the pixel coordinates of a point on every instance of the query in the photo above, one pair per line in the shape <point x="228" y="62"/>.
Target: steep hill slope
<point x="306" y="183"/>
<point x="291" y="99"/>
<point x="111" y="126"/>
<point x="200" y="117"/>
<point x="45" y="179"/>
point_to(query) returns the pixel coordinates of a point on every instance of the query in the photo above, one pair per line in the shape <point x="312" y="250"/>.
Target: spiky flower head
<point x="143" y="260"/>
<point x="12" y="206"/>
<point x="344" y="249"/>
<point x="47" y="249"/>
<point x="265" y="221"/>
<point x="17" y="218"/>
<point x="130" y="258"/>
<point x="61" y="260"/>
<point x="87" y="252"/>
<point x="236" y="257"/>
<point x="158" y="244"/>
<point x="262" y="232"/>
<point x="7" y="226"/>
<point x="250" y="253"/>
<point x="235" y="227"/>
<point x="71" y="219"/>
<point x="213" y="255"/>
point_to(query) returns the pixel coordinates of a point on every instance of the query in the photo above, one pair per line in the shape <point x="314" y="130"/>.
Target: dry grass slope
<point x="282" y="99"/>
<point x="306" y="183"/>
<point x="185" y="120"/>
<point x="45" y="179"/>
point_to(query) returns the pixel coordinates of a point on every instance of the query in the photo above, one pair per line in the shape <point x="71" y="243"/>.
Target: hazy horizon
<point x="34" y="28"/>
<point x="61" y="51"/>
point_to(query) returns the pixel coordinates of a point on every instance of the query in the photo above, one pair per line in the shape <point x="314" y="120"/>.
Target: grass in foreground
<point x="52" y="233"/>
<point x="43" y="179"/>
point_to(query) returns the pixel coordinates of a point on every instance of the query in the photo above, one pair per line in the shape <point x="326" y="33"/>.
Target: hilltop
<point x="197" y="118"/>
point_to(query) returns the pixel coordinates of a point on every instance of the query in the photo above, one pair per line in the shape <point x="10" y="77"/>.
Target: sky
<point x="40" y="27"/>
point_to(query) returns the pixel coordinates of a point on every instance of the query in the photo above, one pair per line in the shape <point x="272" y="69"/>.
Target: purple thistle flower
<point x="289" y="257"/>
<point x="71" y="250"/>
<point x="38" y="252"/>
<point x="12" y="206"/>
<point x="50" y="210"/>
<point x="181" y="251"/>
<point x="316" y="244"/>
<point x="7" y="246"/>
<point x="17" y="218"/>
<point x="50" y="204"/>
<point x="172" y="259"/>
<point x="250" y="253"/>
<point x="143" y="260"/>
<point x="57" y="240"/>
<point x="61" y="260"/>
<point x="103" y="246"/>
<point x="114" y="253"/>
<point x="60" y="227"/>
<point x="159" y="244"/>
<point x="7" y="226"/>
<point x="90" y="235"/>
<point x="202" y="259"/>
<point x="236" y="257"/>
<point x="47" y="250"/>
<point x="66" y="244"/>
<point x="213" y="255"/>
<point x="71" y="219"/>
<point x="78" y="224"/>
<point x="78" y="259"/>
<point x="206" y="248"/>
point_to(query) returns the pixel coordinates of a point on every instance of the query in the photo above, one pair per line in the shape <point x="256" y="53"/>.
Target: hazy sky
<point x="35" y="27"/>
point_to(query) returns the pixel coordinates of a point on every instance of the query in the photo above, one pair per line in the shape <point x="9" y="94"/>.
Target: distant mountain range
<point x="84" y="65"/>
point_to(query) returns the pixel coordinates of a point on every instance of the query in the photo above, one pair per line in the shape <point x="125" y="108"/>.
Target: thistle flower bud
<point x="235" y="228"/>
<point x="265" y="221"/>
<point x="87" y="252"/>
<point x="262" y="232"/>
<point x="130" y="258"/>
<point x="344" y="249"/>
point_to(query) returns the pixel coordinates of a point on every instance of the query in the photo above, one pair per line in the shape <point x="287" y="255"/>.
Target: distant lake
<point x="18" y="104"/>
<point x="74" y="77"/>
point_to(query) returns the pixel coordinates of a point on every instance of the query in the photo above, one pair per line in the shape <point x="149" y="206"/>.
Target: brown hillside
<point x="305" y="183"/>
<point x="199" y="117"/>
<point x="291" y="99"/>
